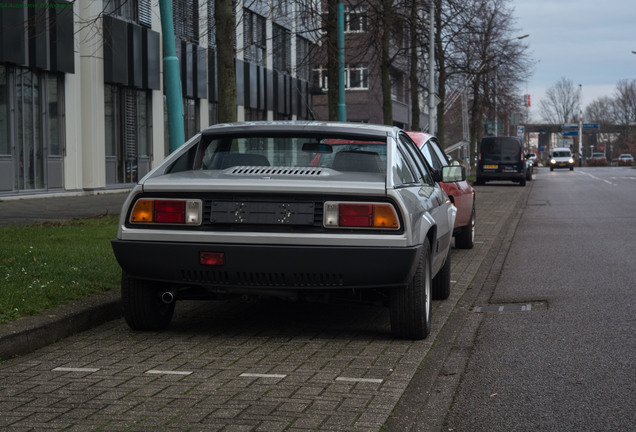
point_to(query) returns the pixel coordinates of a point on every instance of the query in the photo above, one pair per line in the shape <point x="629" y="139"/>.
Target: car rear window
<point x="342" y="154"/>
<point x="500" y="149"/>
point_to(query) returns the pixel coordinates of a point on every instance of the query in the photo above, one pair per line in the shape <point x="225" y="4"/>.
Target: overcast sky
<point x="590" y="42"/>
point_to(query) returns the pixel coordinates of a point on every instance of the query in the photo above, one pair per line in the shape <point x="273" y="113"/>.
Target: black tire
<point x="411" y="306"/>
<point x="465" y="239"/>
<point x="551" y="168"/>
<point x="522" y="182"/>
<point x="142" y="306"/>
<point x="571" y="168"/>
<point x="442" y="280"/>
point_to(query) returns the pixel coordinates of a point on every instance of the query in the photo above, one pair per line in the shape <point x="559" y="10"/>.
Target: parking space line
<point x="166" y="372"/>
<point x="369" y="380"/>
<point x="71" y="369"/>
<point x="258" y="375"/>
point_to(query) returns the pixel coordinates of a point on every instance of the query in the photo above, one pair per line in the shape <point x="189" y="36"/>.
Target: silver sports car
<point x="290" y="209"/>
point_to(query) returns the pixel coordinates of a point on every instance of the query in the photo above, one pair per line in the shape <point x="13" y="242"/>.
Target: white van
<point x="561" y="158"/>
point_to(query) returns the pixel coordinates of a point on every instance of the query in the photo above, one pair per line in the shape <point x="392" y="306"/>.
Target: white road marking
<point x="257" y="375"/>
<point x="165" y="372"/>
<point x="369" y="380"/>
<point x="71" y="369"/>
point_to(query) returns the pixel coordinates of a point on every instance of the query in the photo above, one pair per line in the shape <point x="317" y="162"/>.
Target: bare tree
<point x="561" y="104"/>
<point x="225" y="23"/>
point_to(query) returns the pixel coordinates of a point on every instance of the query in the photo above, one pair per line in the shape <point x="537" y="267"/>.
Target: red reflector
<point x="169" y="211"/>
<point x="356" y="215"/>
<point x="212" y="258"/>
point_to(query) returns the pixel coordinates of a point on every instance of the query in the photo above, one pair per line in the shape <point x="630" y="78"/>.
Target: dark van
<point x="501" y="158"/>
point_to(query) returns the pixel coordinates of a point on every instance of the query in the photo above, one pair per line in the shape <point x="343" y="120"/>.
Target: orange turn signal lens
<point x="167" y="211"/>
<point x="143" y="211"/>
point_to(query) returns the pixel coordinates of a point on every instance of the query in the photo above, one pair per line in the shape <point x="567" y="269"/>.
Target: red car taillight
<point x="167" y="211"/>
<point x="360" y="215"/>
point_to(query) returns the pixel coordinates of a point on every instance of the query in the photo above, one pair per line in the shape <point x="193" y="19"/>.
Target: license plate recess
<point x="262" y="213"/>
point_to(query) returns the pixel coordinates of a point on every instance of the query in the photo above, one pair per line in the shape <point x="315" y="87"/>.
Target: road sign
<point x="591" y="126"/>
<point x="569" y="126"/>
<point x="570" y="133"/>
<point x="520" y="131"/>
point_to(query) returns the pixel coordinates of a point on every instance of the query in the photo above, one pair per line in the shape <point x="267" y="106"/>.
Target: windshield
<point x="561" y="153"/>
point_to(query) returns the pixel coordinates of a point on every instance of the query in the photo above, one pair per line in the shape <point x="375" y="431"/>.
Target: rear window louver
<point x="279" y="171"/>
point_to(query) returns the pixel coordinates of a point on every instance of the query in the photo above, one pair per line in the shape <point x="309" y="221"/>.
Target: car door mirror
<point x="453" y="173"/>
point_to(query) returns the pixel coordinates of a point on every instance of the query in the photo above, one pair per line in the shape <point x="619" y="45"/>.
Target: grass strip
<point x="49" y="264"/>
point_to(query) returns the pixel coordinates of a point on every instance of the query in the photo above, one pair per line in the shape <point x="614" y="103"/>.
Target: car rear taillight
<point x="360" y="215"/>
<point x="212" y="258"/>
<point x="167" y="211"/>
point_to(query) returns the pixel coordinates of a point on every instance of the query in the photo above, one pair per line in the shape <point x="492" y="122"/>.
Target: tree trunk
<point x="385" y="63"/>
<point x="413" y="75"/>
<point x="440" y="58"/>
<point x="332" y="59"/>
<point x="225" y="23"/>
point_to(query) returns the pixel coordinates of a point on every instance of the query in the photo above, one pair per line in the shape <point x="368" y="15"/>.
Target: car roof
<point x="303" y="127"/>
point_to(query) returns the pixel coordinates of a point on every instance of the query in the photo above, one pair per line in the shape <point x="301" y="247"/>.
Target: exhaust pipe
<point x="168" y="297"/>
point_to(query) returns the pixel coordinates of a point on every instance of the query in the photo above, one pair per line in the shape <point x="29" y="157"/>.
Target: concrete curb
<point x="30" y="333"/>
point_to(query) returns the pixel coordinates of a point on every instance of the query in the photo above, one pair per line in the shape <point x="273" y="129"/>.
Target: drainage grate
<point x="504" y="308"/>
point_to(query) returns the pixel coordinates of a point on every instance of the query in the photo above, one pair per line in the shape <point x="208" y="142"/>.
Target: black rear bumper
<point x="269" y="266"/>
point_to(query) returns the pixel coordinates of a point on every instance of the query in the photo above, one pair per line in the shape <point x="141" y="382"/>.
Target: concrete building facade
<point x="81" y="85"/>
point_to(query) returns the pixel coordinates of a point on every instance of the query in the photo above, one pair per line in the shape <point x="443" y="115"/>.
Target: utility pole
<point x="171" y="77"/>
<point x="580" y="126"/>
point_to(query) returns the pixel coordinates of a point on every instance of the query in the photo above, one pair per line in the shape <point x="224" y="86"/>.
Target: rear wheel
<point x="465" y="239"/>
<point x="522" y="182"/>
<point x="410" y="306"/>
<point x="142" y="305"/>
<point x="442" y="280"/>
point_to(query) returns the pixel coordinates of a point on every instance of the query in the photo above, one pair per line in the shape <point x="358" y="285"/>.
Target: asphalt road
<point x="569" y="364"/>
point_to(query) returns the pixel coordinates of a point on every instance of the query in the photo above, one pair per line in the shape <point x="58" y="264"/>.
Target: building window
<point x="190" y="117"/>
<point x="185" y="16"/>
<point x="138" y="11"/>
<point x="356" y="20"/>
<point x="357" y="77"/>
<point x="320" y="78"/>
<point x="397" y="86"/>
<point x="128" y="130"/>
<point x="254" y="39"/>
<point x="303" y="58"/>
<point x="5" y="147"/>
<point x="282" y="49"/>
<point x="54" y="104"/>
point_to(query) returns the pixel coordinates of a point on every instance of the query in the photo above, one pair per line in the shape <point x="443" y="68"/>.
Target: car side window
<point x="437" y="150"/>
<point x="421" y="166"/>
<point x="402" y="171"/>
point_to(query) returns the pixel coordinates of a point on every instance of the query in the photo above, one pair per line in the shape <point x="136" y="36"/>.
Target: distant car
<point x="461" y="193"/>
<point x="561" y="157"/>
<point x="239" y="210"/>
<point x="501" y="158"/>
<point x="625" y="159"/>
<point x="597" y="159"/>
<point x="529" y="167"/>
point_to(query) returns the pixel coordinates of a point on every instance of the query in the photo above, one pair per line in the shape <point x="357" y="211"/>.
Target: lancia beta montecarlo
<point x="288" y="209"/>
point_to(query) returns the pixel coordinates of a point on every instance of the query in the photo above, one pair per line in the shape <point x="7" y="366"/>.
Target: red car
<point x="461" y="193"/>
